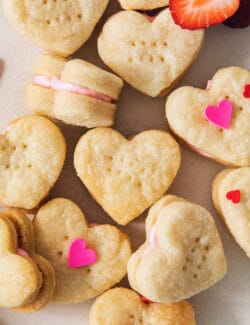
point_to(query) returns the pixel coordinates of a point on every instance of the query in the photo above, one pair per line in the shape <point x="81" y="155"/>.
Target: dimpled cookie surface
<point x="59" y="26"/>
<point x="58" y="224"/>
<point x="182" y="255"/>
<point x="32" y="154"/>
<point x="151" y="56"/>
<point x="186" y="110"/>
<point x="126" y="176"/>
<point x="231" y="196"/>
<point x="122" y="306"/>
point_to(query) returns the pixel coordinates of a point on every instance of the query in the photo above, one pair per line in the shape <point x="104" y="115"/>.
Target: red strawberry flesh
<point x="197" y="14"/>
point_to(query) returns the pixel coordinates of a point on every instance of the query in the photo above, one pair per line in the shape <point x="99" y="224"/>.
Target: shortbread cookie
<point x="126" y="176"/>
<point x="122" y="306"/>
<point x="60" y="27"/>
<point x="32" y="154"/>
<point x="231" y="196"/>
<point x="27" y="280"/>
<point x="143" y="4"/>
<point x="75" y="92"/>
<point x="150" y="54"/>
<point x="87" y="260"/>
<point x="182" y="255"/>
<point x="215" y="122"/>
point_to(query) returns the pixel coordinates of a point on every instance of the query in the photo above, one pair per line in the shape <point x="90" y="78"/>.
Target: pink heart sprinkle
<point x="246" y="93"/>
<point x="220" y="115"/>
<point x="80" y="255"/>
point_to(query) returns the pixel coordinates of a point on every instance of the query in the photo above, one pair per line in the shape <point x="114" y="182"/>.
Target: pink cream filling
<point x="22" y="253"/>
<point x="152" y="241"/>
<point x="57" y="84"/>
<point x="209" y="85"/>
<point x="149" y="18"/>
<point x="199" y="151"/>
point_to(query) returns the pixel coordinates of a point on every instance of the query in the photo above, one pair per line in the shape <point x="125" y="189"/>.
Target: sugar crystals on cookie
<point x="87" y="260"/>
<point x="182" y="255"/>
<point x="32" y="155"/>
<point x="215" y="122"/>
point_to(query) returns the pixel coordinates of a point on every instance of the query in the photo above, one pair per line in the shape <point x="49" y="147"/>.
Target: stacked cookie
<point x="77" y="260"/>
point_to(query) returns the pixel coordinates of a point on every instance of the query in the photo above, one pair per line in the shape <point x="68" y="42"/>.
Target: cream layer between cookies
<point x="152" y="241"/>
<point x="199" y="151"/>
<point x="22" y="252"/>
<point x="57" y="84"/>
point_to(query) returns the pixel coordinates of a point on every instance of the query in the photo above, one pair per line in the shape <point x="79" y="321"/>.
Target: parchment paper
<point x="228" y="302"/>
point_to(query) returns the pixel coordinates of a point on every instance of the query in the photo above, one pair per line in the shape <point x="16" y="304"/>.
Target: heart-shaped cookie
<point x="32" y="154"/>
<point x="226" y="136"/>
<point x="75" y="91"/>
<point x="27" y="280"/>
<point x="59" y="26"/>
<point x="123" y="306"/>
<point x="231" y="196"/>
<point x="57" y="225"/>
<point x="182" y="255"/>
<point x="151" y="56"/>
<point x="143" y="4"/>
<point x="126" y="176"/>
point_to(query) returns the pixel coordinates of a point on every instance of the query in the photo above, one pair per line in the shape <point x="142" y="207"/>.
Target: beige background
<point x="227" y="302"/>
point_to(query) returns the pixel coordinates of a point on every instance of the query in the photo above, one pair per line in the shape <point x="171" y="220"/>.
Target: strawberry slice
<point x="196" y="14"/>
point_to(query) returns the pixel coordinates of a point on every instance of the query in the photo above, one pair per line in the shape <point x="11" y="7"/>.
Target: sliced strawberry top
<point x="197" y="14"/>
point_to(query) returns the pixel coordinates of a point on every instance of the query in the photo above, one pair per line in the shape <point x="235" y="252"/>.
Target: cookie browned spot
<point x="126" y="176"/>
<point x="58" y="224"/>
<point x="123" y="306"/>
<point x="150" y="54"/>
<point x="60" y="27"/>
<point x="231" y="197"/>
<point x="75" y="92"/>
<point x="32" y="154"/>
<point x="182" y="255"/>
<point x="185" y="112"/>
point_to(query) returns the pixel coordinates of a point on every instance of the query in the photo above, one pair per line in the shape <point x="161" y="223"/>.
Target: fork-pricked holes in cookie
<point x="151" y="55"/>
<point x="197" y="255"/>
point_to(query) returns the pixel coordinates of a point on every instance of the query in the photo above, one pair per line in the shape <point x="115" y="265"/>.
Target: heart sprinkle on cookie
<point x="234" y="196"/>
<point x="246" y="93"/>
<point x="220" y="115"/>
<point x="80" y="255"/>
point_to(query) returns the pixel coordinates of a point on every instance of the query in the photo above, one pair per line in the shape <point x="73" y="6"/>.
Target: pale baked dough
<point x="151" y="57"/>
<point x="122" y="306"/>
<point x="185" y="114"/>
<point x="236" y="216"/>
<point x="188" y="256"/>
<point x="60" y="27"/>
<point x="70" y="107"/>
<point x="57" y="224"/>
<point x="32" y="154"/>
<point x="126" y="176"/>
<point x="26" y="283"/>
<point x="143" y="4"/>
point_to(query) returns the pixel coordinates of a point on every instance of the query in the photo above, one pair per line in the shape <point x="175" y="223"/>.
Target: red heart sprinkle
<point x="234" y="196"/>
<point x="146" y="300"/>
<point x="247" y="91"/>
